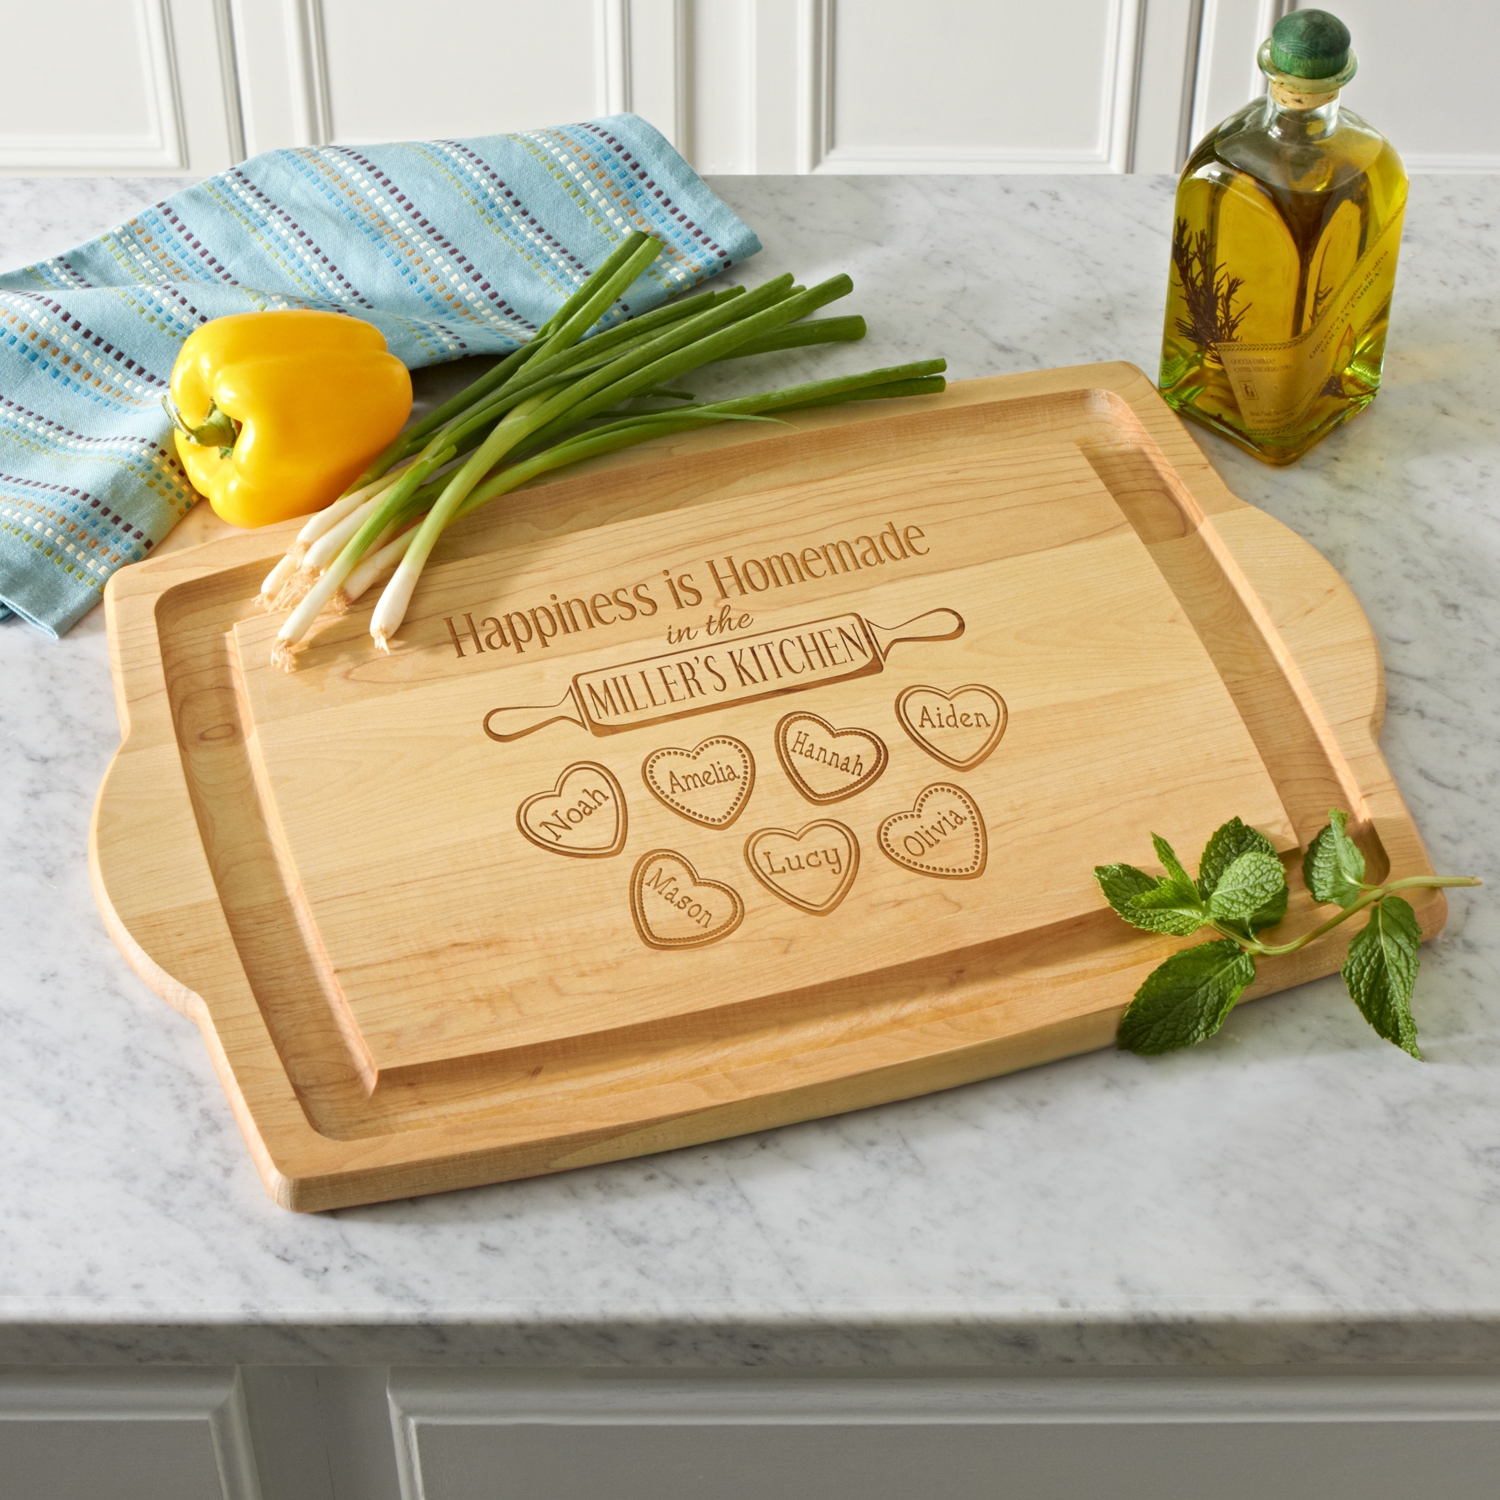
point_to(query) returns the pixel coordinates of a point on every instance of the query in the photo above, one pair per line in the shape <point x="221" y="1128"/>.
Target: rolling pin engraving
<point x="675" y="684"/>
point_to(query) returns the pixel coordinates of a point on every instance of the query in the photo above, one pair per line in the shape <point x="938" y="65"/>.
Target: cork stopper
<point x="1310" y="44"/>
<point x="1307" y="59"/>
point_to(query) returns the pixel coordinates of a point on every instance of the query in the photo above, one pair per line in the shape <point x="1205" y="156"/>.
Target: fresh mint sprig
<point x="1240" y="891"/>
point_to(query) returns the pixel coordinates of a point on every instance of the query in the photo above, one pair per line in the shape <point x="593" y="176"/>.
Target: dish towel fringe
<point x="449" y="247"/>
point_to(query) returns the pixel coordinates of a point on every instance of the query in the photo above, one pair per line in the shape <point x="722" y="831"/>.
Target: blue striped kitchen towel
<point x="448" y="247"/>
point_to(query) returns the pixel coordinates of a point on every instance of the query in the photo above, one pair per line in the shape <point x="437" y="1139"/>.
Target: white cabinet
<point x="351" y="1433"/>
<point x="745" y="1437"/>
<point x="775" y="86"/>
<point x="125" y="1435"/>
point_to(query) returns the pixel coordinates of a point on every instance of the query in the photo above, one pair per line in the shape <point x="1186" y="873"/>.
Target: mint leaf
<point x="1186" y="999"/>
<point x="1333" y="866"/>
<point x="1230" y="841"/>
<point x="1120" y="882"/>
<point x="1381" y="971"/>
<point x="1176" y="875"/>
<point x="1171" y="904"/>
<point x="1165" y="908"/>
<point x="1271" y="913"/>
<point x="1249" y="885"/>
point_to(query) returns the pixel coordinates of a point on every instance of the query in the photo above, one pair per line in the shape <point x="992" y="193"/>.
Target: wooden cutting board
<point x="749" y="777"/>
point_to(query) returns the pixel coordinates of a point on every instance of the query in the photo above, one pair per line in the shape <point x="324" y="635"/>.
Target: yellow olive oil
<point x="1286" y="231"/>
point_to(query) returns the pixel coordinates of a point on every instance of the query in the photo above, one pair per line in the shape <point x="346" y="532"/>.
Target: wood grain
<point x="347" y="882"/>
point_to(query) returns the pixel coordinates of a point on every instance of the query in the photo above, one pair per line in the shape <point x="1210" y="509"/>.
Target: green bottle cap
<point x="1309" y="44"/>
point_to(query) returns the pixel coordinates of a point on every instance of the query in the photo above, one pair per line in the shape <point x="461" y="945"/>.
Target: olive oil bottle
<point x="1284" y="242"/>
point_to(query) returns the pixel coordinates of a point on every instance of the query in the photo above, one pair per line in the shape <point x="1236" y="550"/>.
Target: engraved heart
<point x="959" y="728"/>
<point x="674" y="907"/>
<point x="942" y="835"/>
<point x="583" y="815"/>
<point x="827" y="764"/>
<point x="812" y="868"/>
<point x="709" y="784"/>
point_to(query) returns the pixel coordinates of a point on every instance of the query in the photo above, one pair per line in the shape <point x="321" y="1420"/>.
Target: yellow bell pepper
<point x="276" y="412"/>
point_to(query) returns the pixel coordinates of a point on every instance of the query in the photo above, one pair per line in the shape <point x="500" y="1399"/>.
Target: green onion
<point x="403" y="443"/>
<point x="558" y="400"/>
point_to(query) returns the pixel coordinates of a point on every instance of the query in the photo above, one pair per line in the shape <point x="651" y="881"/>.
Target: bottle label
<point x="1276" y="384"/>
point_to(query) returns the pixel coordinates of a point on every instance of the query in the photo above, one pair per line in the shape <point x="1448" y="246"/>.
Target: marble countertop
<point x="1294" y="1192"/>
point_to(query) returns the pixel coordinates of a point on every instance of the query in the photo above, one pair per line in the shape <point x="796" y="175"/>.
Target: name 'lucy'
<point x="814" y="859"/>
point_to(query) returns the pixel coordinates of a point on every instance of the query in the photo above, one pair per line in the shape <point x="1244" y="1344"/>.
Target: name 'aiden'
<point x="951" y="718"/>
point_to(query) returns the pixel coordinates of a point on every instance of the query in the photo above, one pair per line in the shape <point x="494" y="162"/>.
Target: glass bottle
<point x="1285" y="236"/>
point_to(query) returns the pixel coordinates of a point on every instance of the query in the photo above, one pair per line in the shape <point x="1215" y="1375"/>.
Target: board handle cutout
<point x="935" y="625"/>
<point x="505" y="724"/>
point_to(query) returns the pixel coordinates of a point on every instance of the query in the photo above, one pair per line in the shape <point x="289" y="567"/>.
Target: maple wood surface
<point x="473" y="912"/>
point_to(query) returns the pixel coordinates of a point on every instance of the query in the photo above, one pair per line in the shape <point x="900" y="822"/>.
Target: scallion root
<point x="277" y="578"/>
<point x="295" y="588"/>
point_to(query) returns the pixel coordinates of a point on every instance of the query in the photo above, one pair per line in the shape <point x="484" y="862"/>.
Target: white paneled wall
<point x="116" y="86"/>
<point x="1225" y="72"/>
<point x="952" y="95"/>
<point x="738" y="85"/>
<point x="1426" y="71"/>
